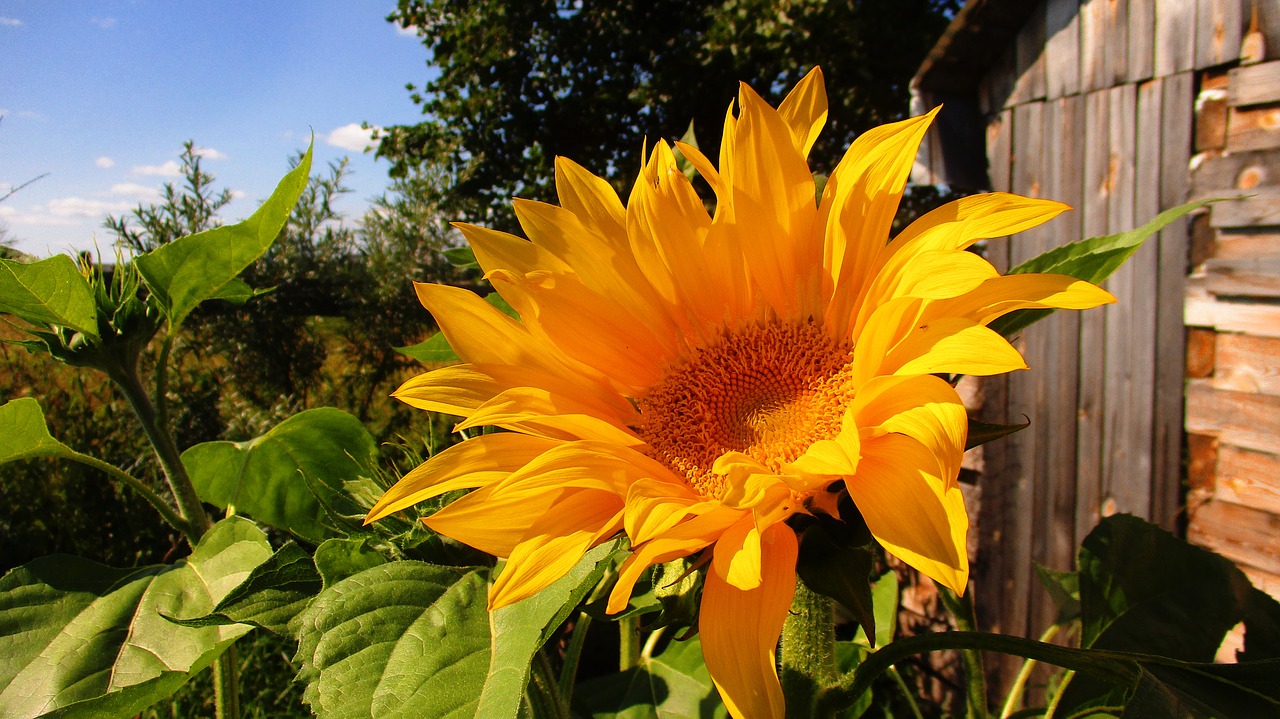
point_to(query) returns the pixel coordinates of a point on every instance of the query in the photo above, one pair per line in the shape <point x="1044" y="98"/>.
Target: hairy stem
<point x="808" y="650"/>
<point x="628" y="643"/>
<point x="1014" y="699"/>
<point x="572" y="654"/>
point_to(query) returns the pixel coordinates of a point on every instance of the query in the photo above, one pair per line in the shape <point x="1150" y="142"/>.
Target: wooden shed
<point x="1167" y="404"/>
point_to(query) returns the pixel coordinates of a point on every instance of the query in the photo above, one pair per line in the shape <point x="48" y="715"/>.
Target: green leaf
<point x="1092" y="260"/>
<point x="1137" y="581"/>
<point x="519" y="630"/>
<point x="80" y="639"/>
<point x="195" y="268"/>
<point x="884" y="600"/>
<point x="272" y="597"/>
<point x="264" y="477"/>
<point x="837" y="559"/>
<point x="461" y="257"/>
<point x="237" y="291"/>
<point x="436" y="350"/>
<point x="1064" y="589"/>
<point x="401" y="640"/>
<point x="48" y="292"/>
<point x="982" y="432"/>
<point x="1206" y="691"/>
<point x="673" y="685"/>
<point x="24" y="434"/>
<point x="341" y="557"/>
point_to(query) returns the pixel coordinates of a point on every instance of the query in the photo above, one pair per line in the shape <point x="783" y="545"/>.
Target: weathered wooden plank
<point x="1254" y="84"/>
<point x="1266" y="581"/>
<point x="1249" y="478"/>
<point x="1115" y="58"/>
<point x="1174" y="36"/>
<point x="1260" y="208"/>
<point x="1242" y="244"/>
<point x="1062" y="48"/>
<point x="1244" y="419"/>
<point x="1094" y="213"/>
<point x="1250" y="277"/>
<point x="1218" y="175"/>
<point x="1176" y="94"/>
<point x="1269" y="27"/>
<point x="1204" y="239"/>
<point x="1253" y="128"/>
<point x="1093" y="45"/>
<point x="1029" y="63"/>
<point x="1247" y="364"/>
<point x="1219" y="29"/>
<point x="1129" y="328"/>
<point x="1204" y="310"/>
<point x="1142" y="38"/>
<point x="1242" y="534"/>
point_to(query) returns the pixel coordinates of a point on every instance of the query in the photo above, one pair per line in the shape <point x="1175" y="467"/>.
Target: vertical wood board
<point x="1062" y="48"/>
<point x="1219" y="30"/>
<point x="1142" y="35"/>
<point x="1174" y="36"/>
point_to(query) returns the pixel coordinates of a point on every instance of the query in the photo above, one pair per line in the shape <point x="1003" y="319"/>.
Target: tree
<point x="185" y="210"/>
<point x="521" y="82"/>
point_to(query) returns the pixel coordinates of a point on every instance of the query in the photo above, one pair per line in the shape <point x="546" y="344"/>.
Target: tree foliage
<point x="522" y="82"/>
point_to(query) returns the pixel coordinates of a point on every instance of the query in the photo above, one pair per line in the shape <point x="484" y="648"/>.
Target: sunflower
<point x="694" y="380"/>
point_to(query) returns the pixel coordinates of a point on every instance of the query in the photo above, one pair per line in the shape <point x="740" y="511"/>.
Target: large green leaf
<point x="340" y="557"/>
<point x="1092" y="260"/>
<point x="24" y="434"/>
<point x="519" y="630"/>
<point x="80" y="639"/>
<point x="264" y="477"/>
<point x="48" y="292"/>
<point x="436" y="350"/>
<point x="1145" y="591"/>
<point x="273" y="595"/>
<point x="673" y="685"/>
<point x="198" y="267"/>
<point x="405" y="639"/>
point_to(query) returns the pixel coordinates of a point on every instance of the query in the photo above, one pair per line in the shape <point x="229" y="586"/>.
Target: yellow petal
<point x="960" y="223"/>
<point x="740" y="629"/>
<point x="931" y="275"/>
<point x="679" y="541"/>
<point x="1001" y="295"/>
<point x="481" y="334"/>
<point x="592" y="199"/>
<point x="833" y="457"/>
<point x="476" y="462"/>
<point x="858" y="205"/>
<point x="952" y="345"/>
<point x="539" y="411"/>
<point x="471" y="519"/>
<point x="805" y="110"/>
<point x="555" y="543"/>
<point x="456" y="390"/>
<point x="773" y="207"/>
<point x="888" y="325"/>
<point x="909" y="511"/>
<point x="655" y="505"/>
<point x="922" y="407"/>
<point x="737" y="554"/>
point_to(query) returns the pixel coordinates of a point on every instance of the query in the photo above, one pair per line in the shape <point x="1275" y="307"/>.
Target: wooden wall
<point x="1094" y="104"/>
<point x="1233" y="311"/>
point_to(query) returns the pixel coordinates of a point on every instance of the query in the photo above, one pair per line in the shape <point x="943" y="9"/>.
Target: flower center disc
<point x="766" y="391"/>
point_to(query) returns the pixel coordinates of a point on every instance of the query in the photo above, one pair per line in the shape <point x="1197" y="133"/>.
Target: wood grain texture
<point x="1029" y="60"/>
<point x="1174" y="36"/>
<point x="1262" y="207"/>
<point x="1176" y="96"/>
<point x="1219" y="29"/>
<point x="1093" y="45"/>
<point x="1142" y="39"/>
<point x="1248" y="478"/>
<point x="1242" y="534"/>
<point x="1247" y="364"/>
<point x="1205" y="310"/>
<point x="1246" y="277"/>
<point x="1255" y="84"/>
<point x="1219" y="175"/>
<point x="1244" y="419"/>
<point x="1115" y="56"/>
<point x="1255" y="127"/>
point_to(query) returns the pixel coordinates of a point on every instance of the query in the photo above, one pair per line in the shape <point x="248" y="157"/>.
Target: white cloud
<point x="168" y="169"/>
<point x="353" y="137"/>
<point x="11" y="22"/>
<point x="105" y="162"/>
<point x="134" y="190"/>
<point x="63" y="211"/>
<point x="238" y="194"/>
<point x="209" y="153"/>
<point x="106" y="23"/>
<point x="411" y="31"/>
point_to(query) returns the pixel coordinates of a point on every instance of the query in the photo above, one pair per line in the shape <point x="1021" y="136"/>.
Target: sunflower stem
<point x="808" y="650"/>
<point x="1014" y="700"/>
<point x="628" y="643"/>
<point x="572" y="654"/>
<point x="544" y="693"/>
<point x="961" y="610"/>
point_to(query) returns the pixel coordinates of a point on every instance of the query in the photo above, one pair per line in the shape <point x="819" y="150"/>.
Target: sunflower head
<point x="693" y="380"/>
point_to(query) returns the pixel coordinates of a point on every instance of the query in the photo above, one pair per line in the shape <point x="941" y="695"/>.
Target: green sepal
<point x="838" y="559"/>
<point x="982" y="432"/>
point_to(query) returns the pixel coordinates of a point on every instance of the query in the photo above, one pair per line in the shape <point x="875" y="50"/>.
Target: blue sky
<point x="101" y="95"/>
